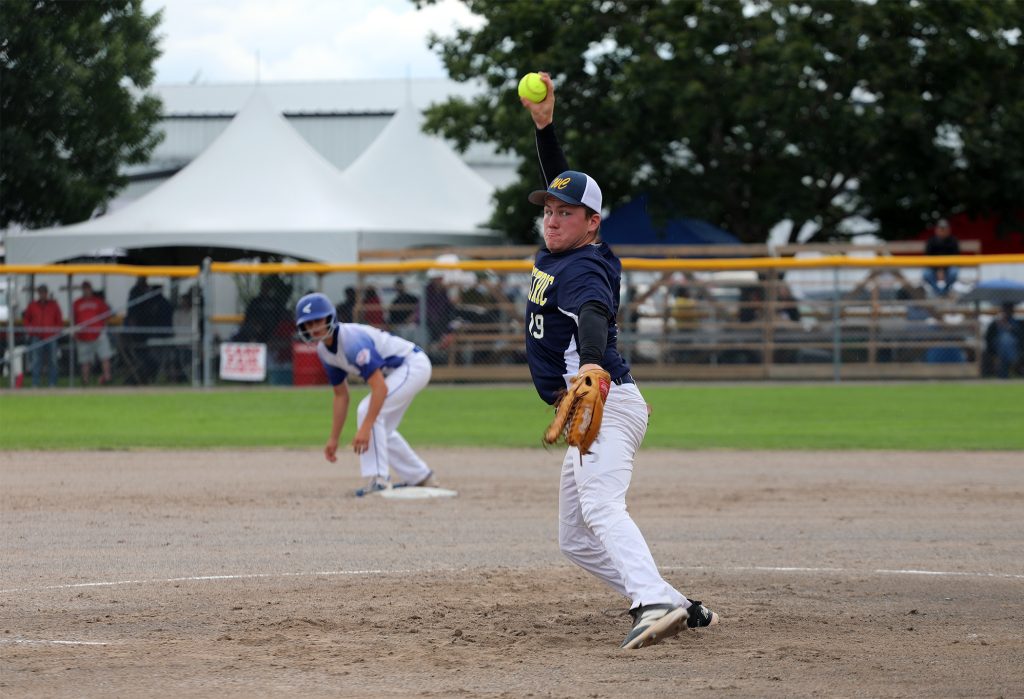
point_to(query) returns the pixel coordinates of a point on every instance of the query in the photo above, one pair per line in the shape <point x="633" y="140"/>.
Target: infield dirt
<point x="256" y="573"/>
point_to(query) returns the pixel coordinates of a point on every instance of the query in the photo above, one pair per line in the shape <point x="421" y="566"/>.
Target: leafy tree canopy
<point x="749" y="113"/>
<point x="73" y="77"/>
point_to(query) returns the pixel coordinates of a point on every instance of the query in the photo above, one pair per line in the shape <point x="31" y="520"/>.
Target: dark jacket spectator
<point x="1004" y="342"/>
<point x="942" y="242"/>
<point x="440" y="309"/>
<point x="265" y="312"/>
<point x="346" y="309"/>
<point x="404" y="307"/>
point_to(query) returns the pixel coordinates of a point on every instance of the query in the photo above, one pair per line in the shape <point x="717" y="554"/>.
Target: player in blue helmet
<point x="314" y="307"/>
<point x="570" y="328"/>
<point x="395" y="369"/>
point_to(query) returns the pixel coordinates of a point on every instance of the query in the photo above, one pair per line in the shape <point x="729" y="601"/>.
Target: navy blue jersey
<point x="561" y="283"/>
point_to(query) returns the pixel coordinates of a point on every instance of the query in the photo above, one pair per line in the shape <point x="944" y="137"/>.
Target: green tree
<point x="73" y="77"/>
<point x="748" y="113"/>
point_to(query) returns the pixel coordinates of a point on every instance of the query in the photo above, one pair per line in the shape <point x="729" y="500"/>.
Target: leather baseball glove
<point x="578" y="412"/>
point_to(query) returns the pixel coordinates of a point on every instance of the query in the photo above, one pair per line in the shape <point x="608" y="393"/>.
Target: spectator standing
<point x="184" y="337"/>
<point x="43" y="322"/>
<point x="90" y="313"/>
<point x="403" y="307"/>
<point x="440" y="309"/>
<point x="403" y="312"/>
<point x="346" y="309"/>
<point x="942" y="242"/>
<point x="139" y="288"/>
<point x="373" y="309"/>
<point x="265" y="312"/>
<point x="150" y="316"/>
<point x="1004" y="341"/>
<point x="159" y="314"/>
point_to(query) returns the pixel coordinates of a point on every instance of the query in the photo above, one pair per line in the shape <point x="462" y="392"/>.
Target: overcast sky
<point x="211" y="41"/>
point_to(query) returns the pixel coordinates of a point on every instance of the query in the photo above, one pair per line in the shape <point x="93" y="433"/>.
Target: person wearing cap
<point x="942" y="242"/>
<point x="572" y="304"/>
<point x="43" y="323"/>
<point x="90" y="312"/>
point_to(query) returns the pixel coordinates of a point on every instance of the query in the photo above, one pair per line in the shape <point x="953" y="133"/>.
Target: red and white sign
<point x="243" y="361"/>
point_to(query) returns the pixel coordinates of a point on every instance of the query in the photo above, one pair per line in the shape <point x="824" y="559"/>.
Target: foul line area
<point x="397" y="571"/>
<point x="400" y="571"/>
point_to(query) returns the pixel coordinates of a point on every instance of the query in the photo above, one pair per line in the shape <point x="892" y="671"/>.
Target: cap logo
<point x="560" y="182"/>
<point x="308" y="308"/>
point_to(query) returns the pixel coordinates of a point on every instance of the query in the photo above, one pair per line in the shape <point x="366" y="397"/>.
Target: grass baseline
<point x="901" y="416"/>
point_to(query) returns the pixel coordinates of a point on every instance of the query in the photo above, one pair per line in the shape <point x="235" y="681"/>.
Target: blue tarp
<point x="994" y="291"/>
<point x="630" y="224"/>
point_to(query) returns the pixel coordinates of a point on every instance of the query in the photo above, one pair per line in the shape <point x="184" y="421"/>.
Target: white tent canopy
<point x="410" y="182"/>
<point x="261" y="187"/>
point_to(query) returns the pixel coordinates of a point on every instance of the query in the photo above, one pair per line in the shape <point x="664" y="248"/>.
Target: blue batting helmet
<point x="314" y="307"/>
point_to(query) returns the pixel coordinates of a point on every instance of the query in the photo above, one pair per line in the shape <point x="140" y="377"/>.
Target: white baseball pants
<point x="387" y="447"/>
<point x="594" y="530"/>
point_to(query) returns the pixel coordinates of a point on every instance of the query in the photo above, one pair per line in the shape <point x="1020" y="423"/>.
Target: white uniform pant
<point x="388" y="449"/>
<point x="595" y="531"/>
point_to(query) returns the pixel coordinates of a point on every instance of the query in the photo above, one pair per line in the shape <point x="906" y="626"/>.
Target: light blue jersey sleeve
<point x="361" y="352"/>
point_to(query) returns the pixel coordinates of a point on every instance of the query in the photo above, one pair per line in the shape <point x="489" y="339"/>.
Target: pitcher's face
<point x="567" y="226"/>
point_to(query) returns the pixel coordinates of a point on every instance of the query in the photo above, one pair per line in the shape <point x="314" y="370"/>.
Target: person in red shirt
<point x="43" y="323"/>
<point x="91" y="312"/>
<point x="373" y="311"/>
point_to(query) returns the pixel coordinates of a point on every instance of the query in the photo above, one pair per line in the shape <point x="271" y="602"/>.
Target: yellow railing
<point x="628" y="263"/>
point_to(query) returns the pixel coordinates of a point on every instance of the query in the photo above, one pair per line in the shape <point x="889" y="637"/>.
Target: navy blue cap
<point x="572" y="187"/>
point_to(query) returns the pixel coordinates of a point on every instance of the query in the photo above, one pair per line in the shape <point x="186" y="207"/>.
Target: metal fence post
<point x="71" y="335"/>
<point x="196" y="333"/>
<point x="11" y="348"/>
<point x="836" y="333"/>
<point x="424" y="335"/>
<point x="206" y="294"/>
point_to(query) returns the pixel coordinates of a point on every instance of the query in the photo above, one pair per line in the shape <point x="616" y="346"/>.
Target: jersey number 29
<point x="537" y="325"/>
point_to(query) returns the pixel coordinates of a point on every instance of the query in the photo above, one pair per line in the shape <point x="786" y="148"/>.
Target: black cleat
<point x="699" y="615"/>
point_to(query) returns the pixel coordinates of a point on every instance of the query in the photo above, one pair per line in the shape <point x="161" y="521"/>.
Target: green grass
<point x="929" y="416"/>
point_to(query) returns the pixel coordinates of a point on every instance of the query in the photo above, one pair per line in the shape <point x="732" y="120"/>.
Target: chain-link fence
<point x="791" y="318"/>
<point x="95" y="325"/>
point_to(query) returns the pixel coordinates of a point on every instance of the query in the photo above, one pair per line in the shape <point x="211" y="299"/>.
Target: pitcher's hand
<point x="543" y="112"/>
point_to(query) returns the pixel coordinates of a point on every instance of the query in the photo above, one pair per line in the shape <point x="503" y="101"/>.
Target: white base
<point x="416" y="493"/>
